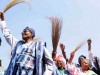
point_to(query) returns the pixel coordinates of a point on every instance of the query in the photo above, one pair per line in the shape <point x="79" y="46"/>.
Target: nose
<point x="24" y="31"/>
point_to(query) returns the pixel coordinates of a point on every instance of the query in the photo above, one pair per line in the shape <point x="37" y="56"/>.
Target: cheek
<point x="87" y="65"/>
<point x="82" y="65"/>
<point x="28" y="33"/>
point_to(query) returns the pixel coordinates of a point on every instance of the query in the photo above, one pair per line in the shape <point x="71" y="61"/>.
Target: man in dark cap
<point x="28" y="57"/>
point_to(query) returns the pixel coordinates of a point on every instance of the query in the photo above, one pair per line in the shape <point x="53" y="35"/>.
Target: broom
<point x="56" y="32"/>
<point x="75" y="50"/>
<point x="13" y="3"/>
<point x="79" y="46"/>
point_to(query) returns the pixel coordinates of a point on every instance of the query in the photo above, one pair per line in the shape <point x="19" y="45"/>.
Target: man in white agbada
<point x="28" y="57"/>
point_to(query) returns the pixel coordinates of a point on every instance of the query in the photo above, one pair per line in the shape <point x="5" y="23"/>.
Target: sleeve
<point x="8" y="36"/>
<point x="72" y="69"/>
<point x="90" y="55"/>
<point x="49" y="62"/>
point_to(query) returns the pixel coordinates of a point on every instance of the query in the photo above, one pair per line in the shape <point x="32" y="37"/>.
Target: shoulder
<point x="91" y="72"/>
<point x="42" y="43"/>
<point x="20" y="42"/>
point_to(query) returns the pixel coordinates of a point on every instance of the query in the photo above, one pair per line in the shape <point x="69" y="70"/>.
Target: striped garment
<point x="24" y="53"/>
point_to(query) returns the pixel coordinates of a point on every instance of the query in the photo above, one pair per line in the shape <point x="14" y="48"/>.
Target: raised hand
<point x="89" y="44"/>
<point x="62" y="47"/>
<point x="71" y="57"/>
<point x="1" y="16"/>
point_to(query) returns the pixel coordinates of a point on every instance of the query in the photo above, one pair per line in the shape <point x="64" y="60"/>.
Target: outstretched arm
<point x="62" y="47"/>
<point x="8" y="36"/>
<point x="71" y="57"/>
<point x="89" y="49"/>
<point x="94" y="59"/>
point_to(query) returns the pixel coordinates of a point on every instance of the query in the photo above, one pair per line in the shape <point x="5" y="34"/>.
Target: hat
<point x="31" y="30"/>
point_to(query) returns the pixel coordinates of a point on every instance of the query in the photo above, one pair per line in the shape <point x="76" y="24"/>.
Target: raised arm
<point x="71" y="57"/>
<point x="89" y="44"/>
<point x="89" y="49"/>
<point x="8" y="36"/>
<point x="62" y="47"/>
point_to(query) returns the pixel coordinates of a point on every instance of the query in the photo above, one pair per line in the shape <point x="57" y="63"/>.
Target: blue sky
<point x="80" y="22"/>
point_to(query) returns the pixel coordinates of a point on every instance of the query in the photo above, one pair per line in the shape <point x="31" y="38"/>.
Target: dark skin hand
<point x="89" y="44"/>
<point x="62" y="47"/>
<point x="1" y="16"/>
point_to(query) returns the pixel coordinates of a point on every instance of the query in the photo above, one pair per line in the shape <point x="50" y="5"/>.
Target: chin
<point x="24" y="38"/>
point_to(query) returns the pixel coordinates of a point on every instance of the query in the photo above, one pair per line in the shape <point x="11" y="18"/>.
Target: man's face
<point x="26" y="34"/>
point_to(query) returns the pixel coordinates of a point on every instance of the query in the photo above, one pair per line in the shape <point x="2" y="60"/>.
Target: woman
<point x="60" y="62"/>
<point x="83" y="69"/>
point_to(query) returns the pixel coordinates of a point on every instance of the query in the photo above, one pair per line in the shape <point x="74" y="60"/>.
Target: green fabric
<point x="2" y="70"/>
<point x="62" y="71"/>
<point x="89" y="72"/>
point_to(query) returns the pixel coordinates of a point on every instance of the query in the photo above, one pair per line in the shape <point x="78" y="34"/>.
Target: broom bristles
<point x="56" y="31"/>
<point x="12" y="3"/>
<point x="79" y="46"/>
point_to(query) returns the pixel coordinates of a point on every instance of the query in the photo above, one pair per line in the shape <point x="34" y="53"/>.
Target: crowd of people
<point x="33" y="58"/>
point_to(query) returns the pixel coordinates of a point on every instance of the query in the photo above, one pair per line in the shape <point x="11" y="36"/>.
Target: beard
<point x="24" y="37"/>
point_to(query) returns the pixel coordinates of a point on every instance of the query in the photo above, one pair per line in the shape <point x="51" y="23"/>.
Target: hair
<point x="79" y="59"/>
<point x="90" y="64"/>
